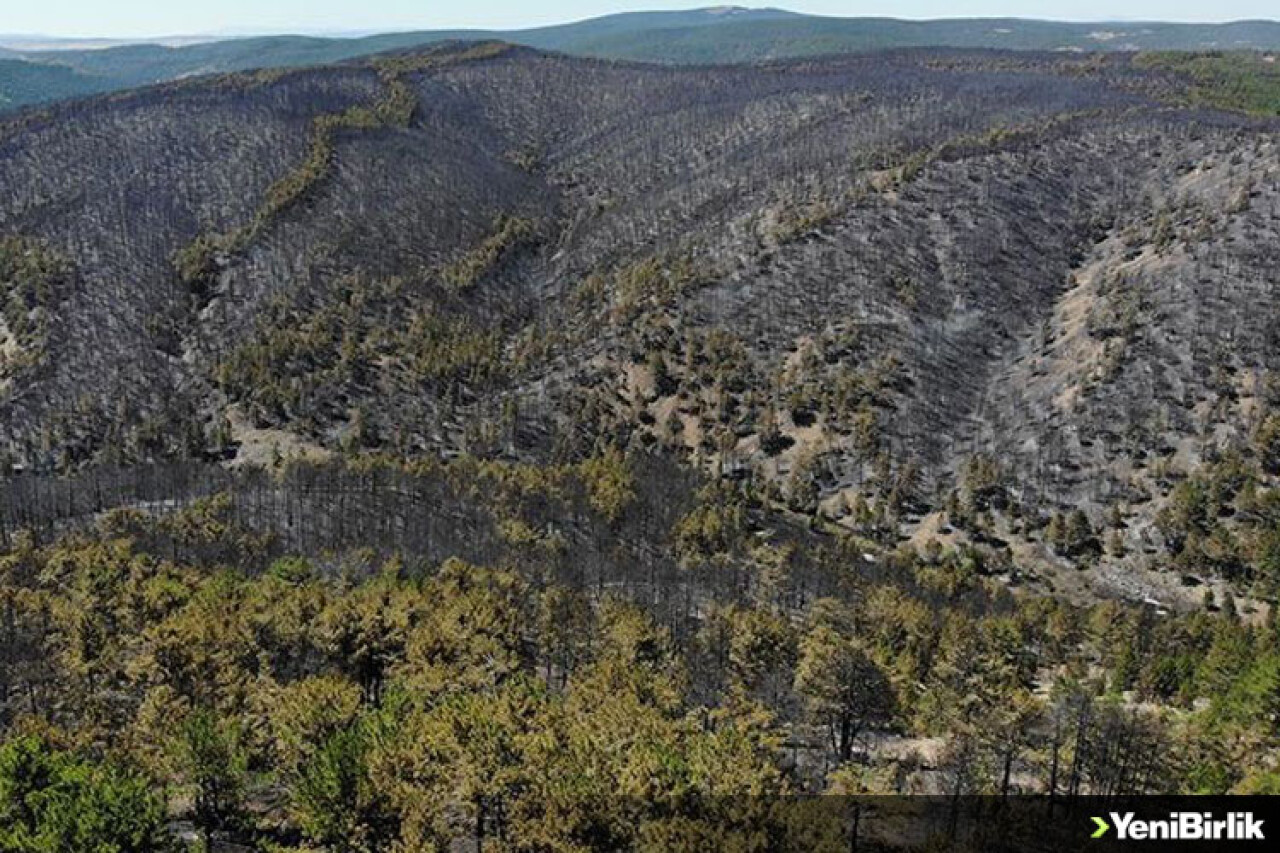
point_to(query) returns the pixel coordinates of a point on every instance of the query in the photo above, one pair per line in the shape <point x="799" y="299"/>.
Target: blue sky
<point x="137" y="18"/>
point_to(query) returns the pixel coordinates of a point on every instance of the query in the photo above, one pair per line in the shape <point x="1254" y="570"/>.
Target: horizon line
<point x="9" y="40"/>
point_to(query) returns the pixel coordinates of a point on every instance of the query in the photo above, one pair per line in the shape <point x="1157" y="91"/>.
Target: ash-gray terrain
<point x="961" y="297"/>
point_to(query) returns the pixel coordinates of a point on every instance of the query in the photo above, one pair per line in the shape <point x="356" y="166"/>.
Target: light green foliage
<point x="335" y="799"/>
<point x="210" y="757"/>
<point x="53" y="801"/>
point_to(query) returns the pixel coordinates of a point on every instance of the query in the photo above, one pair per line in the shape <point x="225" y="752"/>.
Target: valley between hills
<point x="477" y="442"/>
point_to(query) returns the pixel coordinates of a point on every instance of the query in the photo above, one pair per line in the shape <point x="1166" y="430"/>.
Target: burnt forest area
<point x="479" y="444"/>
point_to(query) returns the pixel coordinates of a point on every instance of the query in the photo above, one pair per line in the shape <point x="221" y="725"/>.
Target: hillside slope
<point x="23" y="83"/>
<point x="802" y="35"/>
<point x="929" y="294"/>
<point x="476" y="444"/>
<point x="717" y="35"/>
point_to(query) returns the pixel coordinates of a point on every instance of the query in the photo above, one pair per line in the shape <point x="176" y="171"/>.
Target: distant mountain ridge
<point x="718" y="35"/>
<point x="23" y="82"/>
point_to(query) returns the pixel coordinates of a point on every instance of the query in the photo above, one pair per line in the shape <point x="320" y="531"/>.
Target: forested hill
<point x="718" y="35"/>
<point x="478" y="444"/>
<point x="23" y="83"/>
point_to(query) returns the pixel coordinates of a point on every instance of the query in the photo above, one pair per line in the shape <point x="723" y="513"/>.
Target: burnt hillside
<point x="843" y="280"/>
